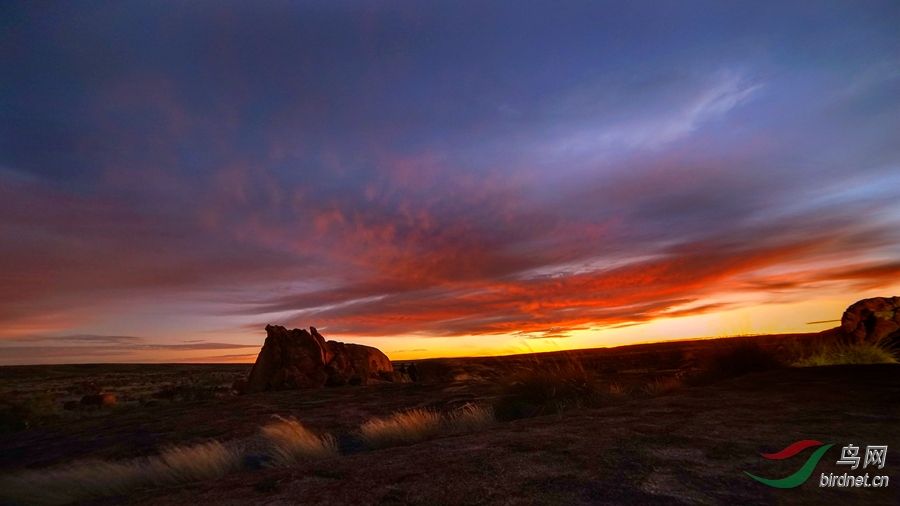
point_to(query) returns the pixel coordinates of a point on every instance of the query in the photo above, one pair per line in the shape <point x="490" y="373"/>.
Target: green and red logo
<point x="804" y="473"/>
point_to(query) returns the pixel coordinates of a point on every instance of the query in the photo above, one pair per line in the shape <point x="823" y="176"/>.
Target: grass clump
<point x="399" y="429"/>
<point x="290" y="441"/>
<point x="616" y="391"/>
<point x="469" y="418"/>
<point x="838" y="353"/>
<point x="194" y="463"/>
<point x="90" y="479"/>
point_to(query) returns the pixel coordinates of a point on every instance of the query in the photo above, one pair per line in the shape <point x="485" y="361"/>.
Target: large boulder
<point x="875" y="320"/>
<point x="295" y="359"/>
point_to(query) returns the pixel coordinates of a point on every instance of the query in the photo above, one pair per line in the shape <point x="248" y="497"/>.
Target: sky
<point x="440" y="178"/>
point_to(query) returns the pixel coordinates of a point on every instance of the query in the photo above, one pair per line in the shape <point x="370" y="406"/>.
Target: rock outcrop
<point x="296" y="359"/>
<point x="875" y="321"/>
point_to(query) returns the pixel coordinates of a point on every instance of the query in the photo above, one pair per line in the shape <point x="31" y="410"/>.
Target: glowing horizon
<point x="450" y="179"/>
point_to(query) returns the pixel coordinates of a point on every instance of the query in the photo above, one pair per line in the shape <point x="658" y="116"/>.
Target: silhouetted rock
<point x="295" y="359"/>
<point x="875" y="320"/>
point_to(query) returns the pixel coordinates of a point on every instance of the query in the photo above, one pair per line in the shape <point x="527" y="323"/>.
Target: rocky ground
<point x="690" y="446"/>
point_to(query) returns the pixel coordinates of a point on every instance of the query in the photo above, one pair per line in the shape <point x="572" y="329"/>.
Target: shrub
<point x="836" y="354"/>
<point x="291" y="441"/>
<point x="17" y="413"/>
<point x="468" y="418"/>
<point x="547" y="387"/>
<point x="401" y="428"/>
<point x="736" y="359"/>
<point x="83" y="480"/>
<point x="434" y="371"/>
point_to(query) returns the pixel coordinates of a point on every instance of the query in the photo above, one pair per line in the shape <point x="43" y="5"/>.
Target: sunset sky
<point x="440" y="178"/>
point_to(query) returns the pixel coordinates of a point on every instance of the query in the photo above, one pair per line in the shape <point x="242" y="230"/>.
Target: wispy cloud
<point x="78" y="338"/>
<point x="654" y="131"/>
<point x="568" y="167"/>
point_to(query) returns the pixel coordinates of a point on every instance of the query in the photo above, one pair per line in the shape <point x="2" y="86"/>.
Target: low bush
<point x="17" y="413"/>
<point x="732" y="359"/>
<point x="547" y="387"/>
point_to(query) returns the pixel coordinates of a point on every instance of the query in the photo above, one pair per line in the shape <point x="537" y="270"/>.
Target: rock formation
<point x="295" y="359"/>
<point x="875" y="321"/>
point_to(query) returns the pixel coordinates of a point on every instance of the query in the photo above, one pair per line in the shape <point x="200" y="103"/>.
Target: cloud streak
<point x="414" y="172"/>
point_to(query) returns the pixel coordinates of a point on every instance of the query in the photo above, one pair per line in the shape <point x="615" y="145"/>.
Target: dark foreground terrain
<point x="687" y="445"/>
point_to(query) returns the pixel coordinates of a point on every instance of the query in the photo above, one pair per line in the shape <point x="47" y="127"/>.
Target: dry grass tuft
<point x="663" y="386"/>
<point x="837" y="354"/>
<point x="291" y="441"/>
<point x="89" y="479"/>
<point x="616" y="390"/>
<point x="468" y="418"/>
<point x="404" y="428"/>
<point x="195" y="463"/>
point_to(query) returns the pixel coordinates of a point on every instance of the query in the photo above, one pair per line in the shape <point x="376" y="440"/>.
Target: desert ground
<point x="653" y="431"/>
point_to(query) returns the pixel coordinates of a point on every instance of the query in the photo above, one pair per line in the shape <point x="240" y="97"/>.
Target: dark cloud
<point x="103" y="348"/>
<point x="114" y="345"/>
<point x="81" y="338"/>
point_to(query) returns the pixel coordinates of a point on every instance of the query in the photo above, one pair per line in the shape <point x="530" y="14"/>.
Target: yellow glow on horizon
<point x="773" y="318"/>
<point x="747" y="318"/>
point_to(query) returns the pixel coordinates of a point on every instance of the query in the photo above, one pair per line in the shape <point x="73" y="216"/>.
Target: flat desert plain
<point x="649" y="434"/>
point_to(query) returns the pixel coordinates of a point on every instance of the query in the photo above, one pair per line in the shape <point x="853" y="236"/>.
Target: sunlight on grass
<point x="837" y="354"/>
<point x="80" y="481"/>
<point x="468" y="418"/>
<point x="291" y="441"/>
<point x="401" y="428"/>
<point x="195" y="463"/>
